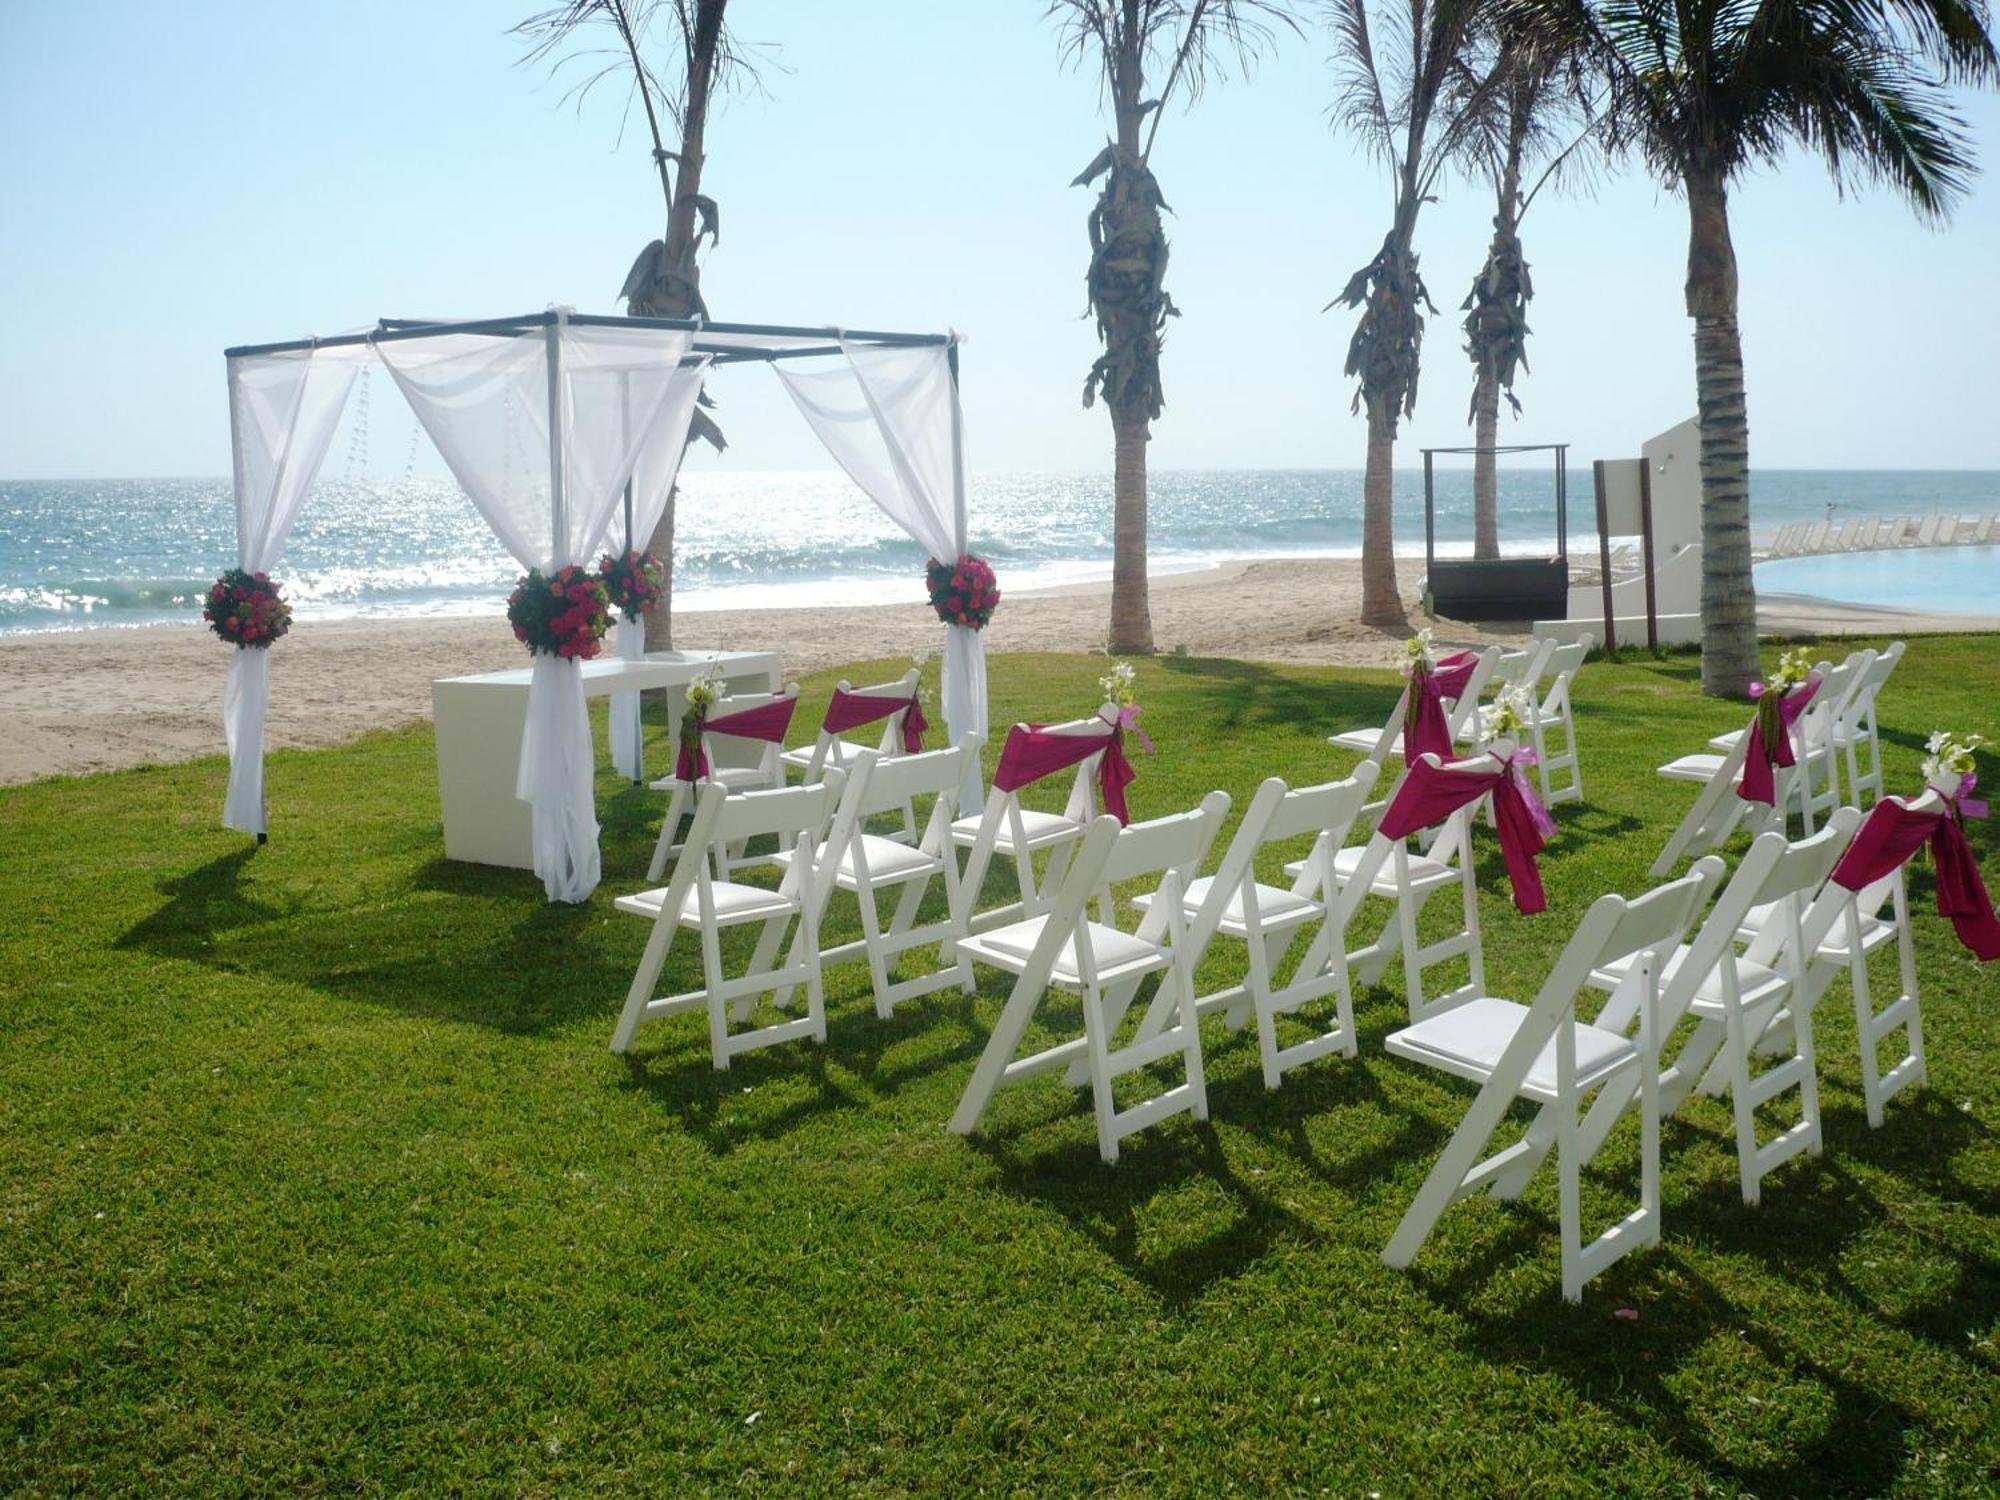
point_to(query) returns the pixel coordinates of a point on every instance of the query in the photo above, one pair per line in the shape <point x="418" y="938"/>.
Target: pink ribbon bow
<point x="852" y="710"/>
<point x="1430" y="793"/>
<point x="1032" y="752"/>
<point x="1892" y="833"/>
<point x="768" y="722"/>
<point x="1759" y="781"/>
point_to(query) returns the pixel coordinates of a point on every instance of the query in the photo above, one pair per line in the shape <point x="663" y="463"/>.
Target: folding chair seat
<point x="1004" y="827"/>
<point x="751" y="725"/>
<point x="1458" y="682"/>
<point x="868" y="865"/>
<point x="1544" y="1053"/>
<point x="896" y="706"/>
<point x="1269" y="919"/>
<point x="1744" y="1003"/>
<point x="1103" y="964"/>
<point x="700" y="899"/>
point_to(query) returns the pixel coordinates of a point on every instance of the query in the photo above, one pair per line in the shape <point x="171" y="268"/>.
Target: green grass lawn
<point x="316" y="1174"/>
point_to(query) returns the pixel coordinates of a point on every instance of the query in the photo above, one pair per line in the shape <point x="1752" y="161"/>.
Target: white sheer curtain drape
<point x="890" y="417"/>
<point x="283" y="408"/>
<point x="653" y="476"/>
<point x="541" y="429"/>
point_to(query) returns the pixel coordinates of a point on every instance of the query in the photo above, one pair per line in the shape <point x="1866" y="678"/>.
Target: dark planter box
<point x="1503" y="588"/>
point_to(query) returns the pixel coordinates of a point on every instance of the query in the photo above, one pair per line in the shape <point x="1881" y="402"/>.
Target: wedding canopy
<point x="544" y="420"/>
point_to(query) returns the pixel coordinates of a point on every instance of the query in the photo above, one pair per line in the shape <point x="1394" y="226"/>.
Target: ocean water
<point x="139" y="551"/>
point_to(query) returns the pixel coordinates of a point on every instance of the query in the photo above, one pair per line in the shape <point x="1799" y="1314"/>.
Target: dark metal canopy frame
<point x="1498" y="588"/>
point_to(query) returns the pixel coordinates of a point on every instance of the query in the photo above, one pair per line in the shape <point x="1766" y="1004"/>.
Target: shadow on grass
<point x="1682" y="1373"/>
<point x="698" y="1094"/>
<point x="1128" y="1209"/>
<point x="202" y="905"/>
<point x="1227" y="695"/>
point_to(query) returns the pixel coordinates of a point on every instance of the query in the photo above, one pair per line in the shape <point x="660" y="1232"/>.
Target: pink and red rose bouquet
<point x="634" y="581"/>
<point x="963" y="592"/>
<point x="246" y="609"/>
<point x="564" y="613"/>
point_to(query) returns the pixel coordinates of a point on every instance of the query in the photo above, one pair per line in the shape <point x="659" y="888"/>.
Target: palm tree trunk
<point x="1728" y="596"/>
<point x="1381" y="599"/>
<point x="1485" y="471"/>
<point x="1131" y="609"/>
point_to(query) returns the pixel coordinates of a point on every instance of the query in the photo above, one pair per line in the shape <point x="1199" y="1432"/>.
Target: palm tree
<point x="1128" y="246"/>
<point x="1413" y="87"/>
<point x="1709" y="91"/>
<point x="665" y="281"/>
<point x="1538" y="103"/>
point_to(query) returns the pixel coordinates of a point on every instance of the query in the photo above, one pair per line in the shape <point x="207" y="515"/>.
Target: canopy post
<point x="558" y="518"/>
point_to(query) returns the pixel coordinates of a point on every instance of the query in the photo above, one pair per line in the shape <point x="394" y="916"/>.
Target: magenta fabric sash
<point x="1425" y="731"/>
<point x="1891" y="834"/>
<point x="1032" y="752"/>
<point x="767" y="722"/>
<point x="852" y="710"/>
<point x="1759" y="782"/>
<point x="1430" y="793"/>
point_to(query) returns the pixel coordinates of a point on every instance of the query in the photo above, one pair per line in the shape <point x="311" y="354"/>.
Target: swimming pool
<point x="1959" y="579"/>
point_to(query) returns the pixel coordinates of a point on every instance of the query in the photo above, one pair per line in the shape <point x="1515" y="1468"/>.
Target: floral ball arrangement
<point x="564" y="613"/>
<point x="246" y="609"/>
<point x="634" y="582"/>
<point x="963" y="592"/>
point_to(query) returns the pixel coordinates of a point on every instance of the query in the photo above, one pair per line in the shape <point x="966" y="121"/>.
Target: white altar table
<point x="479" y="722"/>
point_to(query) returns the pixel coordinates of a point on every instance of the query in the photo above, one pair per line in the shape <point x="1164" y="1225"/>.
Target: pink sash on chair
<point x="1431" y="793"/>
<point x="1759" y="782"/>
<point x="1425" y="731"/>
<point x="1891" y="834"/>
<point x="1031" y="753"/>
<point x="767" y="722"/>
<point x="852" y="710"/>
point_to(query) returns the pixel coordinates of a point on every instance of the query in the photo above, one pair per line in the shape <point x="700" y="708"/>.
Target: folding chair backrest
<point x="1616" y="928"/>
<point x="787" y="810"/>
<point x="1563" y="662"/>
<point x="1838" y="685"/>
<point x="895" y="779"/>
<point x="1527" y="667"/>
<point x="765" y="753"/>
<point x="830" y="748"/>
<point x="1796" y="883"/>
<point x="1176" y="843"/>
<point x="1880" y="669"/>
<point x="1329" y="808"/>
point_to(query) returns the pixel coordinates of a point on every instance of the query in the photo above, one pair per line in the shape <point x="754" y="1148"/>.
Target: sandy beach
<point x="99" y="700"/>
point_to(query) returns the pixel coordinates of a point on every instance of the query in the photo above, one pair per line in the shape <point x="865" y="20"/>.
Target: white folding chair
<point x="1460" y="715"/>
<point x="834" y="747"/>
<point x="1553" y="711"/>
<point x="1007" y="829"/>
<point x="1718" y="811"/>
<point x="1841" y="930"/>
<point x="1543" y="1052"/>
<point x="742" y="765"/>
<point x="1270" y="919"/>
<point x="1103" y="965"/>
<point x="1524" y="669"/>
<point x="1856" y="729"/>
<point x="1744" y="1003"/>
<point x="699" y="899"/>
<point x="1388" y="869"/>
<point x="867" y="864"/>
<point x="1816" y="783"/>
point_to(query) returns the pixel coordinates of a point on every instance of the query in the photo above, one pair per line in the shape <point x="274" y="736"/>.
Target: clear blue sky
<point x="182" y="177"/>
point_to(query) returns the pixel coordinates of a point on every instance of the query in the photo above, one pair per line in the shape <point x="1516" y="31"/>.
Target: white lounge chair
<point x="1103" y="965"/>
<point x="1544" y="1053"/>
